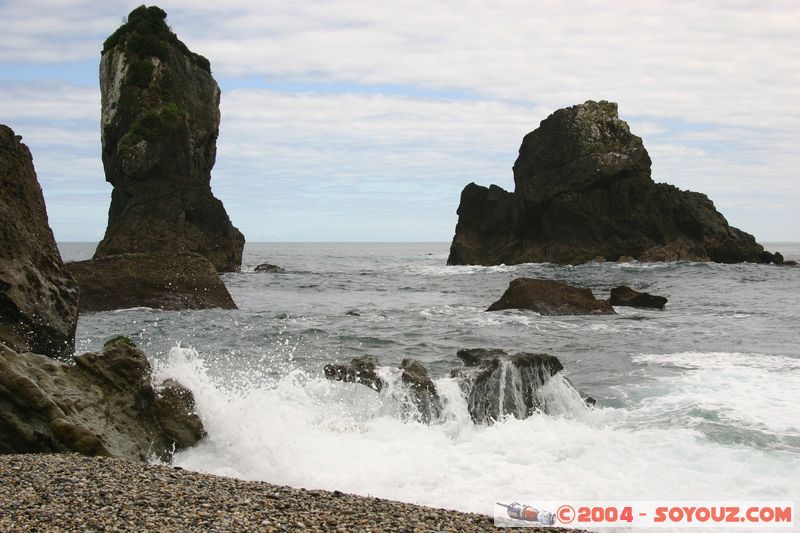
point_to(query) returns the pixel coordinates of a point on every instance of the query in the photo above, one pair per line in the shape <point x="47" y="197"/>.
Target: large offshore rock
<point x="550" y="297"/>
<point x="161" y="280"/>
<point x="160" y="121"/>
<point x="38" y="297"/>
<point x="583" y="190"/>
<point x="104" y="404"/>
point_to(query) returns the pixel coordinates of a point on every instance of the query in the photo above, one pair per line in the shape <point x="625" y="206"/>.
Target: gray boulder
<point x="103" y="404"/>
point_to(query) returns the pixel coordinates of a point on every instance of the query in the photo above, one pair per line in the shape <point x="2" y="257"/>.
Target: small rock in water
<point x="625" y="296"/>
<point x="550" y="297"/>
<point x="270" y="269"/>
<point x="359" y="370"/>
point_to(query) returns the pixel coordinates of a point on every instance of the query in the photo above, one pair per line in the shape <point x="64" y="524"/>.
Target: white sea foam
<point x="305" y="431"/>
<point x="750" y="391"/>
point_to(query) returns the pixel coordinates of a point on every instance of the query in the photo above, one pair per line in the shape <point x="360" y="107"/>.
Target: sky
<point x="362" y="121"/>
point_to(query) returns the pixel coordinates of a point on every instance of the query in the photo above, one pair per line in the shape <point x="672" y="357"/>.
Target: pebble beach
<point x="70" y="492"/>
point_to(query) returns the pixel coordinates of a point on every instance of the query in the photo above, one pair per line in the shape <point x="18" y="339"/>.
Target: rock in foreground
<point x="104" y="404"/>
<point x="38" y="296"/>
<point x="550" y="297"/>
<point x="583" y="190"/>
<point x="625" y="296"/>
<point x="169" y="281"/>
<point x="160" y="122"/>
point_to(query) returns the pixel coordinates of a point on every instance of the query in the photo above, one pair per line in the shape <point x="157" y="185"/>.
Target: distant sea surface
<point x="696" y="402"/>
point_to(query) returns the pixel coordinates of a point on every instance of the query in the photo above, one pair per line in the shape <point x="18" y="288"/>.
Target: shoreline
<point x="68" y="492"/>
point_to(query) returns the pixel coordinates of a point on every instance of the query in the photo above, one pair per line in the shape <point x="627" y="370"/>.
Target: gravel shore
<point x="64" y="492"/>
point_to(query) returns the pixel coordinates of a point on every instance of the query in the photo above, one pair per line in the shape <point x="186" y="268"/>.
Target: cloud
<point x="358" y="109"/>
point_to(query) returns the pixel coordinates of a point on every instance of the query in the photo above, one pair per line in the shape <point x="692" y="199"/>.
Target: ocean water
<point x="696" y="402"/>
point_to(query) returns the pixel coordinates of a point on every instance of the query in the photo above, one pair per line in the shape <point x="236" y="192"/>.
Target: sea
<point x="696" y="402"/>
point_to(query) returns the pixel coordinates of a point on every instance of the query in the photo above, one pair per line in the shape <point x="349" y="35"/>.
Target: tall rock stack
<point x="583" y="190"/>
<point x="160" y="121"/>
<point x="38" y="297"/>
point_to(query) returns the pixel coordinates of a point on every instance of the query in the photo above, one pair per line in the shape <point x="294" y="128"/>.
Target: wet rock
<point x="550" y="297"/>
<point x="499" y="384"/>
<point x="359" y="370"/>
<point x="583" y="189"/>
<point x="423" y="391"/>
<point x="767" y="257"/>
<point x="160" y="122"/>
<point x="268" y="268"/>
<point x="625" y="296"/>
<point x="38" y="296"/>
<point x="104" y="404"/>
<point x="161" y="280"/>
<point x="415" y="391"/>
<point x="175" y="410"/>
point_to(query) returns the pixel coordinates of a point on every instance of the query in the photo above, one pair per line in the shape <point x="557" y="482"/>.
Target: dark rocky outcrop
<point x="625" y="296"/>
<point x="498" y="384"/>
<point x="160" y="121"/>
<point x="550" y="297"/>
<point x="38" y="297"/>
<point x="423" y="392"/>
<point x="104" y="404"/>
<point x="169" y="280"/>
<point x="359" y="370"/>
<point x="583" y="190"/>
<point x="270" y="269"/>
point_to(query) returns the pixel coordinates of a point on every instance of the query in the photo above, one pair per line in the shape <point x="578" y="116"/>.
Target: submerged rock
<point x="583" y="190"/>
<point x="165" y="280"/>
<point x="550" y="297"/>
<point x="104" y="404"/>
<point x="268" y="268"/>
<point x="625" y="296"/>
<point x="38" y="296"/>
<point x="499" y="384"/>
<point x="160" y="122"/>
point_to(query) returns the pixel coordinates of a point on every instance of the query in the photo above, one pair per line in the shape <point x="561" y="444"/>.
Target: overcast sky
<point x="362" y="121"/>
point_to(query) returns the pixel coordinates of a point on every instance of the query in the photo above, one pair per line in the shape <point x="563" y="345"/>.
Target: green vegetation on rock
<point x="151" y="125"/>
<point x="146" y="34"/>
<point x="120" y="338"/>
